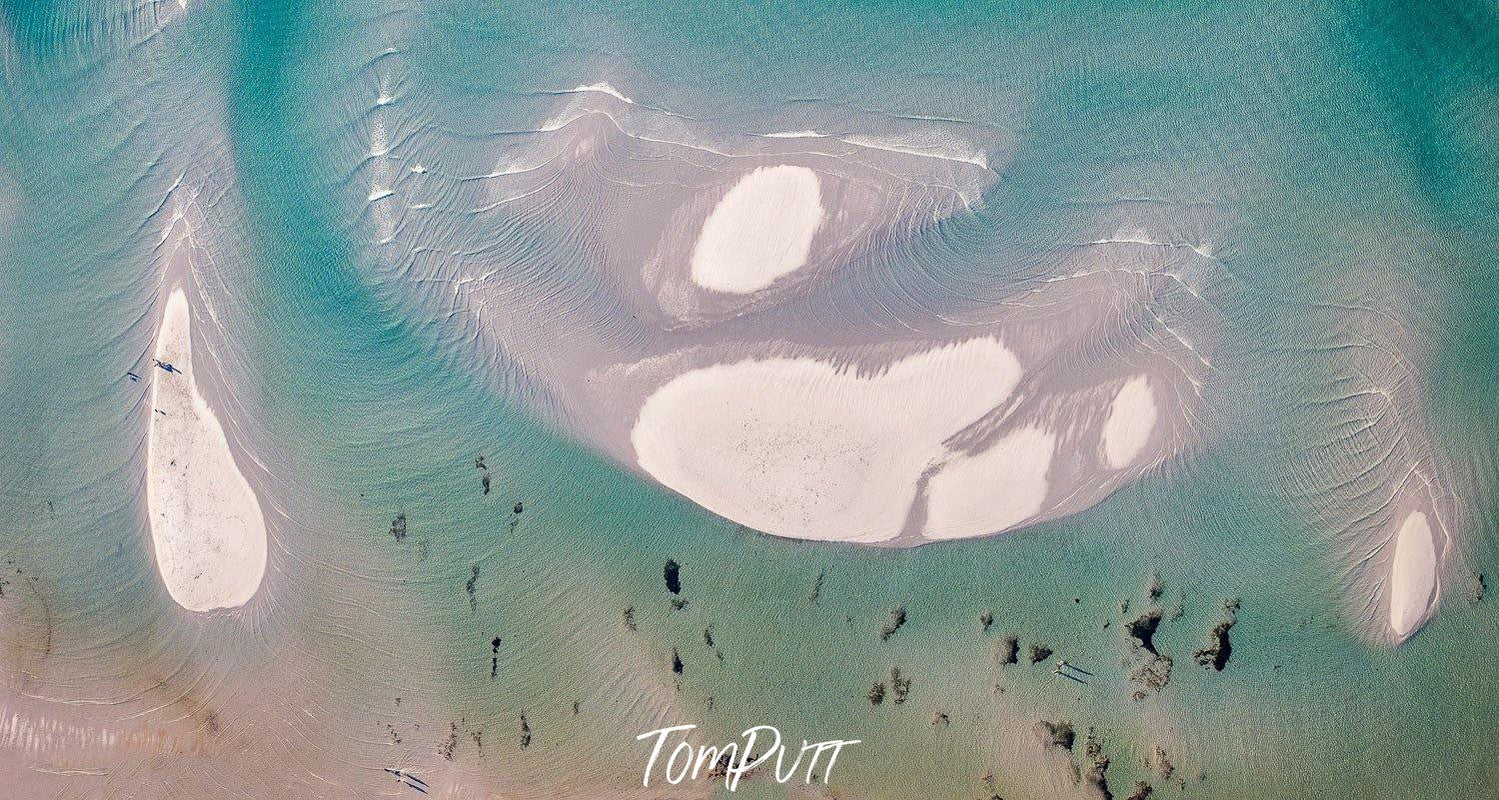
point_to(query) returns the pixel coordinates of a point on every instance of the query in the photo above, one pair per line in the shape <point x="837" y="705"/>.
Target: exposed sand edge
<point x="207" y="528"/>
<point x="991" y="491"/>
<point x="1131" y="418"/>
<point x="760" y="231"/>
<point x="1413" y="575"/>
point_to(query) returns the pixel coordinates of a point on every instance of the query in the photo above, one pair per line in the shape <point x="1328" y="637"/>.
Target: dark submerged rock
<point x="1143" y="629"/>
<point x="1159" y="764"/>
<point x="398" y="527"/>
<point x="1217" y="652"/>
<point x="1153" y="674"/>
<point x="897" y="619"/>
<point x="1054" y="734"/>
<point x="1037" y="652"/>
<point x="1008" y="649"/>
<point x="673" y="574"/>
<point x="900" y="686"/>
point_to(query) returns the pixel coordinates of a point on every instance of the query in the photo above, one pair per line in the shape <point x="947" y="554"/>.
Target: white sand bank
<point x="206" y="525"/>
<point x="1131" y="418"/>
<point x="761" y="230"/>
<point x="798" y="448"/>
<point x="991" y="491"/>
<point x="1413" y="575"/>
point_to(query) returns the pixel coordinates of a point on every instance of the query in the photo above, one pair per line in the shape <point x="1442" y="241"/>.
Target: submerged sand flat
<point x="779" y="328"/>
<point x="901" y="443"/>
<point x="207" y="528"/>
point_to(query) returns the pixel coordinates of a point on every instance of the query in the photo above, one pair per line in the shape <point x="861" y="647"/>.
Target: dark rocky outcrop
<point x="1141" y="791"/>
<point x="468" y="587"/>
<point x="1093" y="776"/>
<point x="673" y="574"/>
<point x="1153" y="674"/>
<point x="1054" y="734"/>
<point x="876" y="693"/>
<point x="1037" y="652"/>
<point x="1153" y="590"/>
<point x="1218" y="649"/>
<point x="1159" y="764"/>
<point x="1142" y="629"/>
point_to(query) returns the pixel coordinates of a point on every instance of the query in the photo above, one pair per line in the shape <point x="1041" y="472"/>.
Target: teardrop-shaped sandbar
<point x="206" y="525"/>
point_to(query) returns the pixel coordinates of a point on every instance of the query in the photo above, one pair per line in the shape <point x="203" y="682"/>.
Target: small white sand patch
<point x="1131" y="418"/>
<point x="796" y="447"/>
<point x="206" y="525"/>
<point x="993" y="490"/>
<point x="1413" y="576"/>
<point x="761" y="230"/>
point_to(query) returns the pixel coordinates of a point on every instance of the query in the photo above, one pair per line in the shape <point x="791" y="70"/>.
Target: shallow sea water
<point x="1339" y="161"/>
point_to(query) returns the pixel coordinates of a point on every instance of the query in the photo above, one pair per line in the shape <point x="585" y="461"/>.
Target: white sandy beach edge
<point x="206" y="526"/>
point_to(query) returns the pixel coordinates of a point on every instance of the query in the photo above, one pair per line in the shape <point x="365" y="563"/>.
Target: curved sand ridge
<point x="686" y="222"/>
<point x="206" y="525"/>
<point x="760" y="231"/>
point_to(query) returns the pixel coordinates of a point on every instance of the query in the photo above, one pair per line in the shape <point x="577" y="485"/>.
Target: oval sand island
<point x="761" y="230"/>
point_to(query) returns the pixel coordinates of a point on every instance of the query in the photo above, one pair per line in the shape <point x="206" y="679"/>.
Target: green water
<point x="1314" y="142"/>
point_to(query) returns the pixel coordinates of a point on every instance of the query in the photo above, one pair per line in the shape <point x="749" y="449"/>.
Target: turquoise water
<point x="1338" y="157"/>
